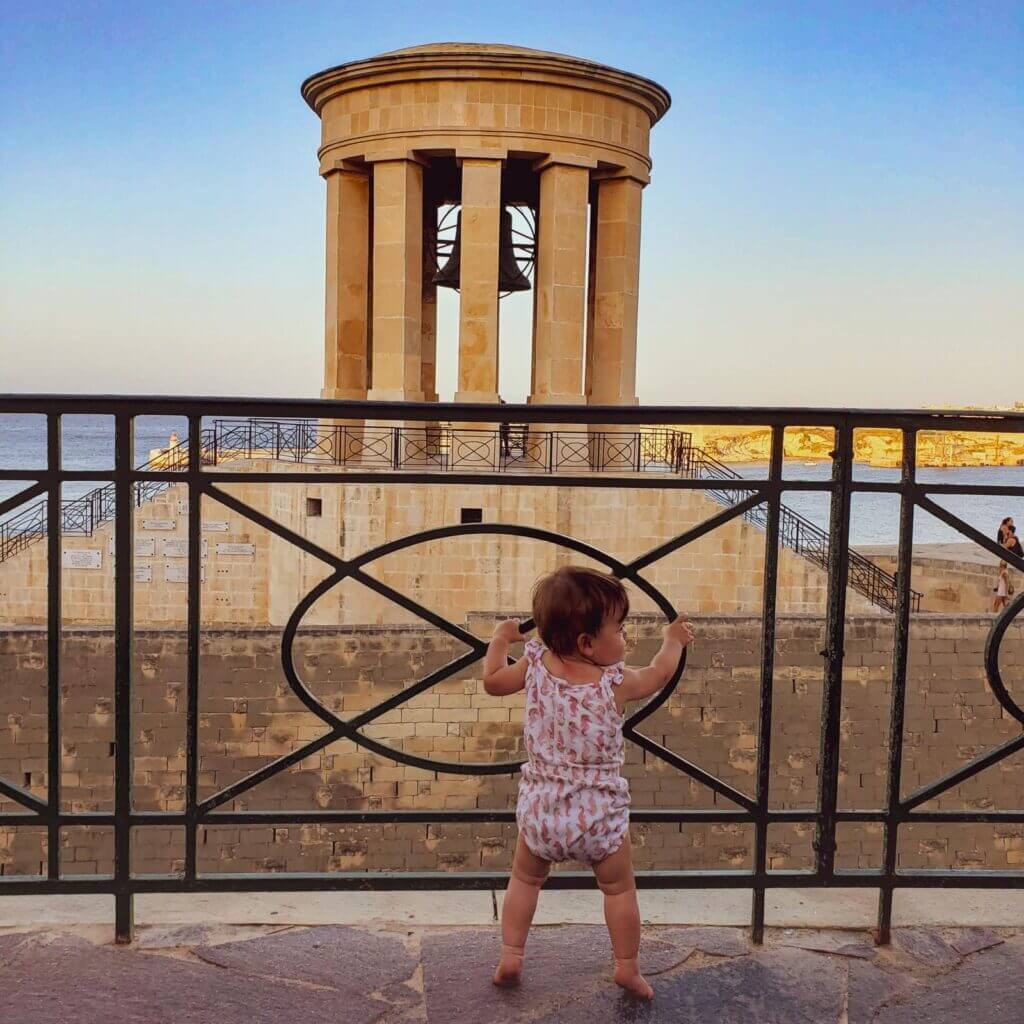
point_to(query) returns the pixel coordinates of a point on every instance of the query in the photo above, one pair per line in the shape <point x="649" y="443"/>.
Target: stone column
<point x="611" y="348"/>
<point x="611" y="355"/>
<point x="478" y="279"/>
<point x="346" y="306"/>
<point x="431" y="436"/>
<point x="397" y="280"/>
<point x="560" y="301"/>
<point x="477" y="445"/>
<point x="428" y="364"/>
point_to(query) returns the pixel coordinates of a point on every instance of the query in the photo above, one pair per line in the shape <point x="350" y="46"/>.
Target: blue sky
<point x="836" y="214"/>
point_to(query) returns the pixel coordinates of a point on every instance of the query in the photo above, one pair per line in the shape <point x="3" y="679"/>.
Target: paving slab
<point x="374" y="974"/>
<point x="986" y="989"/>
<point x="70" y="981"/>
<point x="175" y="935"/>
<point x="972" y="940"/>
<point x="836" y="943"/>
<point x="357" y="965"/>
<point x="715" y="941"/>
<point x="562" y="964"/>
<point x="925" y="947"/>
<point x="871" y="987"/>
<point x="782" y="987"/>
<point x="9" y="944"/>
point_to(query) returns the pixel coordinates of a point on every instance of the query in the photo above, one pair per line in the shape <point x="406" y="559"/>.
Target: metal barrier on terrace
<point x="512" y="448"/>
<point x="204" y="478"/>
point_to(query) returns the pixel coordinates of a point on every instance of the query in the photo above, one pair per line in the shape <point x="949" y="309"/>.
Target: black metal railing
<point x="800" y="535"/>
<point x="82" y="516"/>
<point x="309" y="442"/>
<point x="208" y="482"/>
<point x="512" y="448"/>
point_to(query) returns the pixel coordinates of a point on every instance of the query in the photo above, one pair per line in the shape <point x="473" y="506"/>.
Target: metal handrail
<point x="805" y="537"/>
<point x="84" y="515"/>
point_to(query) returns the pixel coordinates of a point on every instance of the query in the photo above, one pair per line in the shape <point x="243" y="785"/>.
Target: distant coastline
<point x="873" y="447"/>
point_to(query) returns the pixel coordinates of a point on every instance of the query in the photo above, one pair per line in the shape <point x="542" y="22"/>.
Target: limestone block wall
<point x="720" y="573"/>
<point x="234" y="565"/>
<point x="248" y="717"/>
<point x="951" y="586"/>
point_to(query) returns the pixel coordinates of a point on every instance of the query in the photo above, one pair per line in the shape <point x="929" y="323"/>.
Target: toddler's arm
<point x="638" y="683"/>
<point x="501" y="678"/>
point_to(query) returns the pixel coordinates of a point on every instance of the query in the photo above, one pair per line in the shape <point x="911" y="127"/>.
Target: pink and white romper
<point x="573" y="801"/>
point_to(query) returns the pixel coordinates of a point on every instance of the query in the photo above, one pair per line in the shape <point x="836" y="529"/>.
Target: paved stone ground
<point x="251" y="974"/>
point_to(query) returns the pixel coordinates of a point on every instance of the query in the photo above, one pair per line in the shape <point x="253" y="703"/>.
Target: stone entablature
<point x="486" y="97"/>
<point x="482" y="127"/>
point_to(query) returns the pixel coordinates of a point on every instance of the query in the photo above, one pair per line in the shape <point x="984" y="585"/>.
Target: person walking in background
<point x="1003" y="588"/>
<point x="1007" y="537"/>
<point x="503" y="431"/>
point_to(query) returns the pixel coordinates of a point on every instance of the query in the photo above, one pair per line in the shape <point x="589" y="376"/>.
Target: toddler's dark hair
<point x="573" y="600"/>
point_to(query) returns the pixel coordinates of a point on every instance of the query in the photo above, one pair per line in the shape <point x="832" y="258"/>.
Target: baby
<point x="573" y="802"/>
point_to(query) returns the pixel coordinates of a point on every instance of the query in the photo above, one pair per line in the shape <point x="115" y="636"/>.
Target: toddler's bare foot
<point x="628" y="976"/>
<point x="509" y="971"/>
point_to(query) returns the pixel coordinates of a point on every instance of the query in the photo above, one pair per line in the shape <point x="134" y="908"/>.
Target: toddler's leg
<point x="622" y="915"/>
<point x="529" y="873"/>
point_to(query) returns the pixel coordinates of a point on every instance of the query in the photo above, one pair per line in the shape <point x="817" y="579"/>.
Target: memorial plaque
<point x="216" y="526"/>
<point x="145" y="548"/>
<point x="236" y="549"/>
<point x="159" y="524"/>
<point x="82" y="558"/>
<point x="178" y="548"/>
<point x="177" y="572"/>
<point x="143" y="574"/>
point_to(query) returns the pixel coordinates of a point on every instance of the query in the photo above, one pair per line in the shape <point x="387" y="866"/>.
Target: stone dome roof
<point x="452" y="47"/>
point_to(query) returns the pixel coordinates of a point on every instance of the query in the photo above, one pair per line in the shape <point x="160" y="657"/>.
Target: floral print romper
<point x="573" y="802"/>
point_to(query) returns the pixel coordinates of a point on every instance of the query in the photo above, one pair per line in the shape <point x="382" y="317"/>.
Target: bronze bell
<point x="510" y="277"/>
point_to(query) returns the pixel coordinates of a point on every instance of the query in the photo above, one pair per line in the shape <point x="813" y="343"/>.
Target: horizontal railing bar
<point x="448" y="478"/>
<point x="643" y="479"/>
<point x="356" y="817"/>
<point x="399" y="881"/>
<point x="638" y="415"/>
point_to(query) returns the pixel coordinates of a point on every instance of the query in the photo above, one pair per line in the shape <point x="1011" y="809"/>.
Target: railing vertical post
<point x="124" y="529"/>
<point x="195" y="498"/>
<point x="901" y="644"/>
<point x="53" y="644"/>
<point x="835" y="621"/>
<point x="764" y="740"/>
<point x="396" y="440"/>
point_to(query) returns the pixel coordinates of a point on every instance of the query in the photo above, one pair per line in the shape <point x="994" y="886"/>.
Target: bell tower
<point x="490" y="169"/>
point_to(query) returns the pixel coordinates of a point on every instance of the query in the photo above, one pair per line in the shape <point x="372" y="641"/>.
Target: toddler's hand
<point x="508" y="631"/>
<point x="681" y="631"/>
